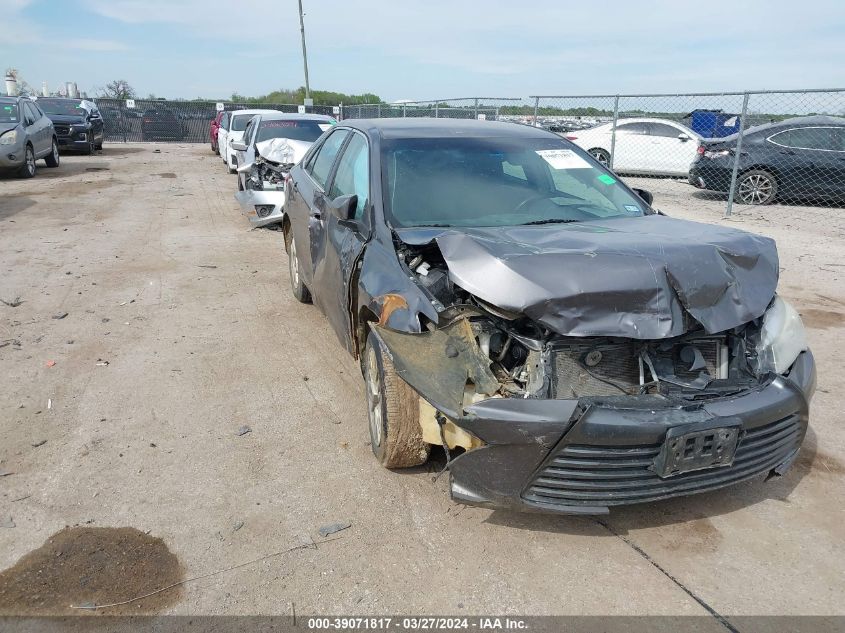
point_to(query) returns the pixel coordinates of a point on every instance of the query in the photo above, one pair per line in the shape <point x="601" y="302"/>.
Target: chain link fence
<point x="488" y="108"/>
<point x="177" y="121"/>
<point x="749" y="148"/>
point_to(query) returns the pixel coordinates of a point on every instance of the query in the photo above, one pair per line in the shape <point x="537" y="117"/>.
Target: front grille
<point x="614" y="475"/>
<point x="62" y="130"/>
<point x="614" y="368"/>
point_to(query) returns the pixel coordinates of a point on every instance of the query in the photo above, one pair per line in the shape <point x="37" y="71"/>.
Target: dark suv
<point x="78" y="123"/>
<point x="802" y="157"/>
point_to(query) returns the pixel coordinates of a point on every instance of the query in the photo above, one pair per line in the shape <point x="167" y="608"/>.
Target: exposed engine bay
<point x="530" y="360"/>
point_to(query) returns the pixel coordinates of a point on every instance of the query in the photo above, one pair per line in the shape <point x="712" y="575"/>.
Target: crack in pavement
<point x="721" y="619"/>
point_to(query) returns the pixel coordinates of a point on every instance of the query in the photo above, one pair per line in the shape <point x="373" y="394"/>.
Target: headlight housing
<point x="782" y="338"/>
<point x="9" y="138"/>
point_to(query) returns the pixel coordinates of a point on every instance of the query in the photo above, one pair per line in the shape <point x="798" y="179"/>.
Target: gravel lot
<point x="161" y="278"/>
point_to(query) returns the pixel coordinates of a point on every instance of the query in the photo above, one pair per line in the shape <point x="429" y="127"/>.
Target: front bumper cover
<point x="251" y="199"/>
<point x="582" y="456"/>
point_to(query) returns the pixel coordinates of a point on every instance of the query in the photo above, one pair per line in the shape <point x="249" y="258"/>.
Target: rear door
<point x="807" y="160"/>
<point x="38" y="129"/>
<point x="223" y="134"/>
<point x="337" y="244"/>
<point x="673" y="149"/>
<point x="632" y="151"/>
<point x="307" y="202"/>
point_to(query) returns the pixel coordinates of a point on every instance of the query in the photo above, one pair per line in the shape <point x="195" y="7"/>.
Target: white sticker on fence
<point x="335" y="109"/>
<point x="563" y="159"/>
<point x="220" y="107"/>
<point x="130" y="103"/>
<point x="482" y="117"/>
<point x="300" y="109"/>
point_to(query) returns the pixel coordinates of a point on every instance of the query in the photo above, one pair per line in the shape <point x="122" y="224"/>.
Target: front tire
<point x="297" y="286"/>
<point x="756" y="187"/>
<point x="603" y="156"/>
<point x="52" y="159"/>
<point x="27" y="170"/>
<point x="393" y="412"/>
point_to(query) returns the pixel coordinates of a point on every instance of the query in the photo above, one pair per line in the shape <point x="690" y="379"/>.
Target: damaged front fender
<point x="440" y="364"/>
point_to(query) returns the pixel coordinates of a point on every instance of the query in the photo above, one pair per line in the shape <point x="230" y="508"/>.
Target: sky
<point x="430" y="49"/>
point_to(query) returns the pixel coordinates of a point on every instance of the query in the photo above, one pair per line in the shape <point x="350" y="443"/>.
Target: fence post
<point x="476" y="108"/>
<point x="613" y="131"/>
<point x="536" y="109"/>
<point x="436" y="109"/>
<point x="404" y="110"/>
<point x="730" y="205"/>
<point x="379" y="111"/>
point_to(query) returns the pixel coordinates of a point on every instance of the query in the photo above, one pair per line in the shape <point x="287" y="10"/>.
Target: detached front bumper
<point x="263" y="208"/>
<point x="584" y="456"/>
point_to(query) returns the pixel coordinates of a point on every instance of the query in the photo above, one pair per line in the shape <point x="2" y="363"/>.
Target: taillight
<point x="700" y="150"/>
<point x="570" y="138"/>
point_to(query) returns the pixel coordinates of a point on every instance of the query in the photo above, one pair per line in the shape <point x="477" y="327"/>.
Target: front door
<point x="339" y="243"/>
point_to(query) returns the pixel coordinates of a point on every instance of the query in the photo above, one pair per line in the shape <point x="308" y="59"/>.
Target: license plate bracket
<point x="698" y="447"/>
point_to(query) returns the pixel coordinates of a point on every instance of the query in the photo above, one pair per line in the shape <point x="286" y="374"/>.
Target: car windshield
<point x="295" y="130"/>
<point x="239" y="122"/>
<point x="160" y="114"/>
<point x="9" y="112"/>
<point x="465" y="182"/>
<point x="60" y="106"/>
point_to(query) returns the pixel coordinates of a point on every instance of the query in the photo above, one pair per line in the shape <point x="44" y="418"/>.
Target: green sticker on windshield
<point x="608" y="180"/>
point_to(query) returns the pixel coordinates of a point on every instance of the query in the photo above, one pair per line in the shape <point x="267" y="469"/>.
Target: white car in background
<point x="656" y="147"/>
<point x="232" y="126"/>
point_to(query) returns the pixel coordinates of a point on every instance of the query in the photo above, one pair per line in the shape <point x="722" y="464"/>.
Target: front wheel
<point x="299" y="289"/>
<point x="393" y="410"/>
<point x="27" y="170"/>
<point x="52" y="159"/>
<point x="601" y="155"/>
<point x="756" y="187"/>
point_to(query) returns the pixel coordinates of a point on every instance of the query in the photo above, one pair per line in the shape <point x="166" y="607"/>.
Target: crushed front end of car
<point x="263" y="198"/>
<point x="578" y="367"/>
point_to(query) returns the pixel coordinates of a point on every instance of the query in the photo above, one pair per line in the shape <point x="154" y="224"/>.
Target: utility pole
<point x="304" y="55"/>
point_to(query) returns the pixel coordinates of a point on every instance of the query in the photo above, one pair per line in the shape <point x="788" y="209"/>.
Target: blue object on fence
<point x="713" y="123"/>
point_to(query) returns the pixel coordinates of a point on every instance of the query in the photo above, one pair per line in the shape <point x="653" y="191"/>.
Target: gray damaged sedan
<point x="509" y="299"/>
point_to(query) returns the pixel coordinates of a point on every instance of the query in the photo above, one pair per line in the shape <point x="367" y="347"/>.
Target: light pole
<point x="304" y="55"/>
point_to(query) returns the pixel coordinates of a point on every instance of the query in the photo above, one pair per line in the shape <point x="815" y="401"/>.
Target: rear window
<point x="9" y="113"/>
<point x="57" y="106"/>
<point x="308" y="131"/>
<point x="239" y="122"/>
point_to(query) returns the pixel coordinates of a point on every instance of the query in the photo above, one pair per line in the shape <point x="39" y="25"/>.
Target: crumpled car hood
<point x="283" y="150"/>
<point x="626" y="277"/>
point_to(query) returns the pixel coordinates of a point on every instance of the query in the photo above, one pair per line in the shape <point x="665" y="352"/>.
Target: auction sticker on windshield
<point x="563" y="159"/>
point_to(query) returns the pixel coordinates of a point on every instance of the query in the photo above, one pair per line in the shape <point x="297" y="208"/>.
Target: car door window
<point x="322" y="163"/>
<point x="248" y="132"/>
<point x="353" y="174"/>
<point x="31" y="116"/>
<point x="807" y="138"/>
<point x="224" y="121"/>
<point x="639" y="129"/>
<point x="664" y="130"/>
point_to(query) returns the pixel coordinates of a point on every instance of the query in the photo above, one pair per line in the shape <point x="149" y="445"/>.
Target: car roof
<point x="253" y="112"/>
<point x="425" y="127"/>
<point x="801" y="121"/>
<point x="291" y="116"/>
<point x="10" y="98"/>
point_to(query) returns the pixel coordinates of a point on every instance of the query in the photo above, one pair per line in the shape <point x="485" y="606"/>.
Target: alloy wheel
<point x="30" y="161"/>
<point x="756" y="189"/>
<point x="374" y="399"/>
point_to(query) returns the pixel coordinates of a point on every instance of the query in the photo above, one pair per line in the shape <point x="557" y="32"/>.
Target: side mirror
<point x="683" y="137"/>
<point x="343" y="207"/>
<point x="239" y="146"/>
<point x="647" y="196"/>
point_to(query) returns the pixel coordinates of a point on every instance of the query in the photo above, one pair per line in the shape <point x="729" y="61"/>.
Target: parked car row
<point x="261" y="146"/>
<point x="799" y="158"/>
<point x="510" y="300"/>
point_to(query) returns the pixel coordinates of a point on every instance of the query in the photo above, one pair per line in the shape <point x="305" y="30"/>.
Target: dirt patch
<point x="822" y="319"/>
<point x="91" y="565"/>
<point x="167" y="174"/>
<point x="697" y="535"/>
